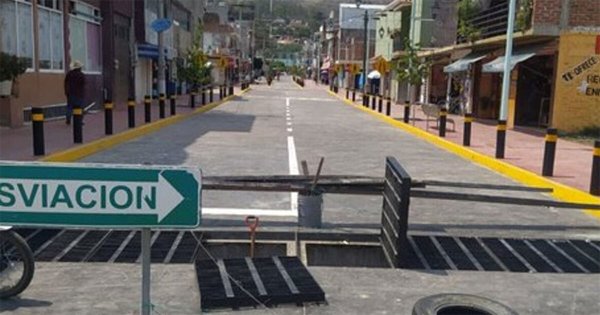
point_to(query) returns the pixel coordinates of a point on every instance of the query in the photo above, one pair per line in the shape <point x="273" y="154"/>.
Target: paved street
<point x="268" y="131"/>
<point x="271" y="129"/>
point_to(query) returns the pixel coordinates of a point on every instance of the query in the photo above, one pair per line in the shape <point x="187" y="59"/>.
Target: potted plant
<point x="11" y="67"/>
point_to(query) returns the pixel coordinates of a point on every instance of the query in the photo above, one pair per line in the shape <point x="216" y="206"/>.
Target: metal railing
<point x="490" y="22"/>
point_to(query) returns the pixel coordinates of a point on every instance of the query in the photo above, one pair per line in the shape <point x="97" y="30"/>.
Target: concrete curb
<point x="81" y="151"/>
<point x="528" y="178"/>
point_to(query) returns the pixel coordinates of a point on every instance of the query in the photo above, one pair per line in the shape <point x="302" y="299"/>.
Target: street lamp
<point x="365" y="47"/>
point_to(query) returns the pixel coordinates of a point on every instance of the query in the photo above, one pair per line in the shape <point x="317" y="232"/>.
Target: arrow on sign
<point x="90" y="197"/>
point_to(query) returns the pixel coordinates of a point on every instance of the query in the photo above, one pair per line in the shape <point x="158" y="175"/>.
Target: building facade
<point x="112" y="39"/>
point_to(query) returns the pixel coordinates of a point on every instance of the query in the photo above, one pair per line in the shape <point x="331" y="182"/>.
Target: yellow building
<point x="577" y="82"/>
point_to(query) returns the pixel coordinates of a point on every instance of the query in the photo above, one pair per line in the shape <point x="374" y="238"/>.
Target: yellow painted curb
<point x="79" y="152"/>
<point x="299" y="86"/>
<point x="560" y="191"/>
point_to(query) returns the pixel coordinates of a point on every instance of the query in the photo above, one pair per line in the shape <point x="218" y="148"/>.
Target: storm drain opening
<point x="459" y="304"/>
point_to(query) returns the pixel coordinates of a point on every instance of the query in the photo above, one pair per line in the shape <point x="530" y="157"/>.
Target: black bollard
<point x="173" y="99"/>
<point x="380" y="104"/>
<point x="500" y="139"/>
<point x="210" y="93"/>
<point x="192" y="99"/>
<point x="37" y="123"/>
<point x="108" y="118"/>
<point x="388" y="109"/>
<point x="443" y="117"/>
<point x="147" y="108"/>
<point x="347" y="93"/>
<point x="374" y="102"/>
<point x="203" y="95"/>
<point x="78" y="125"/>
<point x="467" y="129"/>
<point x="161" y="106"/>
<point x="549" y="152"/>
<point x="366" y="97"/>
<point x="406" y="117"/>
<point x="220" y="92"/>
<point x="131" y="112"/>
<point x="595" y="183"/>
<point x="231" y="91"/>
<point x="353" y="95"/>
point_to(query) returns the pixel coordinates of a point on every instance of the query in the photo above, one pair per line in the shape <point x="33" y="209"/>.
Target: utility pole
<point x="161" y="51"/>
<point x="501" y="130"/>
<point x="365" y="51"/>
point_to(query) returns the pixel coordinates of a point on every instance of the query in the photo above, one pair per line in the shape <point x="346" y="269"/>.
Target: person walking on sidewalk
<point x="74" y="88"/>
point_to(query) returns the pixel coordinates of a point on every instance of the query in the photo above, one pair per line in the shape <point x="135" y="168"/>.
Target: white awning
<point x="463" y="63"/>
<point x="497" y="65"/>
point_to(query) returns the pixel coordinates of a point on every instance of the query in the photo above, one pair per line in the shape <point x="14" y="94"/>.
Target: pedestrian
<point x="74" y="88"/>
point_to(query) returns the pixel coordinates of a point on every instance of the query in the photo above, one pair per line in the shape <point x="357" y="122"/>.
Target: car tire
<point x="431" y="305"/>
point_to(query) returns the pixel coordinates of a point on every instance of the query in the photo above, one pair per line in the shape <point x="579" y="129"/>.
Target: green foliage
<point x="277" y="65"/>
<point x="11" y="67"/>
<point x="523" y="19"/>
<point x="195" y="70"/>
<point x="467" y="10"/>
<point x="410" y="68"/>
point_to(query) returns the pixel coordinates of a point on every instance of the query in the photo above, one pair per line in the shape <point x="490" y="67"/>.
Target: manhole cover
<point x="459" y="304"/>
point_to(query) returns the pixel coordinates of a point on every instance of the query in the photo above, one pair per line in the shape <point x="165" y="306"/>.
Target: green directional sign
<point x="99" y="195"/>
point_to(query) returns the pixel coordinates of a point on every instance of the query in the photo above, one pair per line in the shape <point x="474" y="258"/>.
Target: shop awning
<point x="463" y="63"/>
<point x="497" y="65"/>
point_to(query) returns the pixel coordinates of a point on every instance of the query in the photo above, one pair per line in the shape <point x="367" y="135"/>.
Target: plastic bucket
<point x="310" y="210"/>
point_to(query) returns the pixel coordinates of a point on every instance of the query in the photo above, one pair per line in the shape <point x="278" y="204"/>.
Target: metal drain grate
<point x="506" y="254"/>
<point x="267" y="281"/>
<point x="424" y="252"/>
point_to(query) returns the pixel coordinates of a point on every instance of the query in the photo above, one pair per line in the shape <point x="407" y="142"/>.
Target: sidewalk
<point x="524" y="146"/>
<point x="16" y="143"/>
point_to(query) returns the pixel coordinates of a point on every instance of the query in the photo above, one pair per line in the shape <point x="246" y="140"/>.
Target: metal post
<point x="380" y="104"/>
<point x="500" y="139"/>
<point x="365" y="51"/>
<point x="161" y="106"/>
<point x="108" y="118"/>
<point x="78" y="125"/>
<point x="131" y="112"/>
<point x="210" y="93"/>
<point x="388" y="110"/>
<point x="173" y="105"/>
<point x="467" y="129"/>
<point x="374" y="102"/>
<point x="595" y="182"/>
<point x="147" y="108"/>
<point x="506" y="75"/>
<point x="549" y="152"/>
<point x="406" y="117"/>
<point x="146" y="306"/>
<point x="203" y="97"/>
<point x="161" y="52"/>
<point x="443" y="117"/>
<point x="37" y="122"/>
<point x="192" y="99"/>
<point x="347" y="93"/>
<point x="353" y="95"/>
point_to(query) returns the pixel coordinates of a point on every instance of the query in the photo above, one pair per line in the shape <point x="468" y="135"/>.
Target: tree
<point x="410" y="68"/>
<point x="195" y="70"/>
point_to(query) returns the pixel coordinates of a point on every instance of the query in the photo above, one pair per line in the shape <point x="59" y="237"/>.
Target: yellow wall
<point x="577" y="84"/>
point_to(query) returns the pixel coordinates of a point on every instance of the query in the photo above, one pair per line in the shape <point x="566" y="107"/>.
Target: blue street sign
<point x="161" y="25"/>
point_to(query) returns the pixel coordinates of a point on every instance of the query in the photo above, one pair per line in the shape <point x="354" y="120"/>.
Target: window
<point x="50" y="33"/>
<point x="182" y="17"/>
<point x="16" y="23"/>
<point x="85" y="36"/>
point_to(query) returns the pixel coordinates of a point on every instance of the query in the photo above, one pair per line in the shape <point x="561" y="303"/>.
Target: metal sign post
<point x="146" y="306"/>
<point x="102" y="196"/>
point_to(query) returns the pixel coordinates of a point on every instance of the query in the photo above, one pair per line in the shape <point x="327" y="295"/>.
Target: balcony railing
<point x="493" y="21"/>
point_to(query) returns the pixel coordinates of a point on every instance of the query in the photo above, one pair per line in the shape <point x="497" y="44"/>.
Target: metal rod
<point x="507" y="57"/>
<point x="146" y="305"/>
